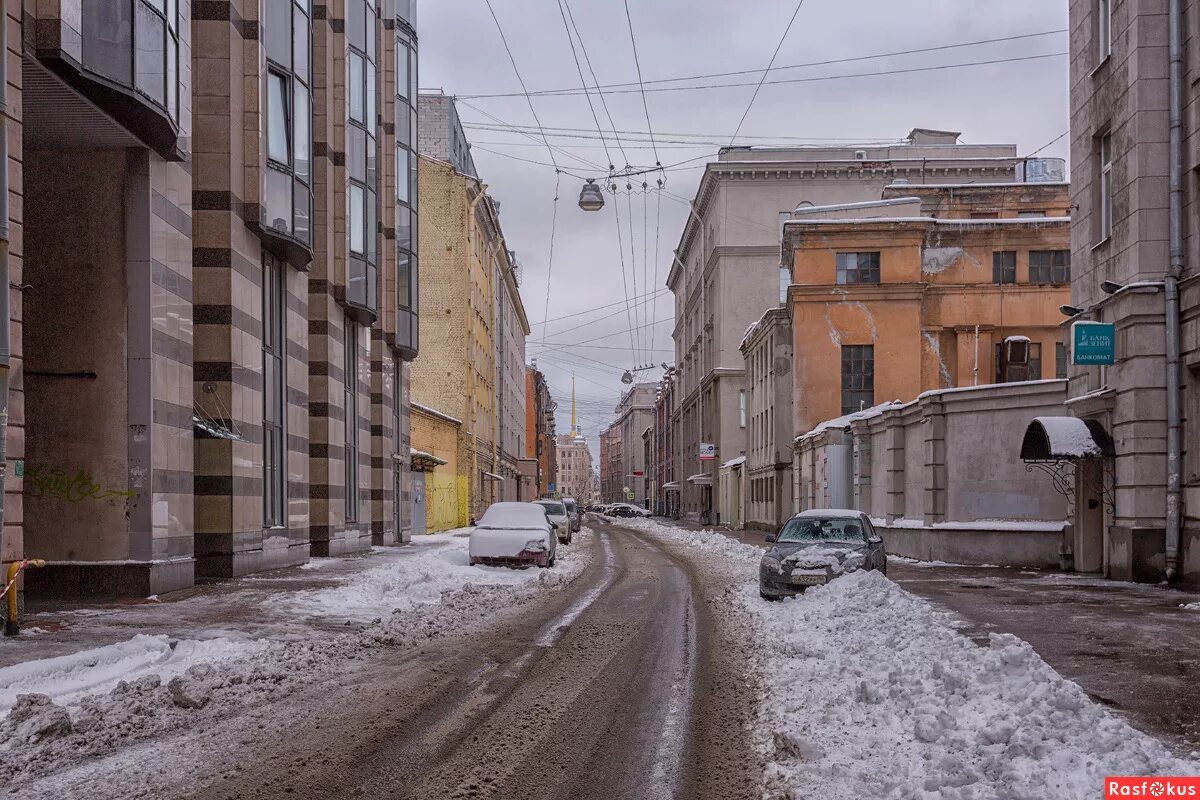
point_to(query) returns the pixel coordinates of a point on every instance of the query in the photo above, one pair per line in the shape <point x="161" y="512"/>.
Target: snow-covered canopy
<point x="1049" y="438"/>
<point x="513" y="516"/>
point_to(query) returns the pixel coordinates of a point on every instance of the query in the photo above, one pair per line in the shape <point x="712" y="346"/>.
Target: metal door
<point x="418" y="503"/>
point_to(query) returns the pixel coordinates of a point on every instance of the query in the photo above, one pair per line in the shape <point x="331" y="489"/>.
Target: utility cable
<point x="583" y="82"/>
<point x="550" y="264"/>
<point x="624" y="281"/>
<point x="641" y="84"/>
<point x="766" y="72"/>
<point x="816" y="78"/>
<point x="569" y="91"/>
<point x="596" y="81"/>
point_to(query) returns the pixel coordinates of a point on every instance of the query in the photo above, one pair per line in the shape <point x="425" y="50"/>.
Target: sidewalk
<point x="1133" y="647"/>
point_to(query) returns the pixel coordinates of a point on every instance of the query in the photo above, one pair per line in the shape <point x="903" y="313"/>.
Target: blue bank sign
<point x="1093" y="343"/>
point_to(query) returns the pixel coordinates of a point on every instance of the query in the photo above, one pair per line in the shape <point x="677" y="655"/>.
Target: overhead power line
<point x="766" y="72"/>
<point x="596" y="81"/>
<point x="641" y="85"/>
<point x="583" y="81"/>
<point x="829" y="62"/>
<point x="819" y="78"/>
<point x="520" y="80"/>
<point x="642" y="298"/>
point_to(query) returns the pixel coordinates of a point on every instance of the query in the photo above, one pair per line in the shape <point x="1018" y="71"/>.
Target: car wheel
<point x="766" y="596"/>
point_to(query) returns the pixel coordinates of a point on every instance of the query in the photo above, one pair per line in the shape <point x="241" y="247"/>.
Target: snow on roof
<point x="513" y="516"/>
<point x="986" y="387"/>
<point x="891" y="201"/>
<point x="1011" y="185"/>
<point x="1031" y="221"/>
<point x="1069" y="436"/>
<point x="844" y="421"/>
<point x="1017" y="338"/>
<point x="434" y="412"/>
<point x="829" y="512"/>
<point x="735" y="462"/>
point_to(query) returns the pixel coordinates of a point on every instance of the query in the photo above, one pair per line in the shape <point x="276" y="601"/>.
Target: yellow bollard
<point x="12" y="625"/>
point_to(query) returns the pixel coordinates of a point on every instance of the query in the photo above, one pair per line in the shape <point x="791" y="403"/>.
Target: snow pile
<point x="870" y="693"/>
<point x="706" y="539"/>
<point x="66" y="679"/>
<point x="67" y="709"/>
<point x="1191" y="606"/>
<point x="414" y="576"/>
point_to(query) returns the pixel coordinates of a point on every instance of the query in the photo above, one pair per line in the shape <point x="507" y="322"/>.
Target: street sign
<point x="637" y="473"/>
<point x="708" y="451"/>
<point x="1093" y="343"/>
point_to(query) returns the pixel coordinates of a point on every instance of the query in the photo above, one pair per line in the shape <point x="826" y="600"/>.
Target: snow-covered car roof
<point x="513" y="516"/>
<point x="829" y="512"/>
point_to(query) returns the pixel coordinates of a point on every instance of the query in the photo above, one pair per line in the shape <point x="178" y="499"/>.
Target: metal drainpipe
<point x="5" y="348"/>
<point x="1171" y="285"/>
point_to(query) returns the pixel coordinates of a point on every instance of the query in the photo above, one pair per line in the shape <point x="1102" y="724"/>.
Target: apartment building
<point x="612" y="485"/>
<point x="663" y="469"/>
<point x="243" y="223"/>
<point x="540" y="441"/>
<point x="765" y="414"/>
<point x="726" y="269"/>
<point x="1135" y="247"/>
<point x="635" y="414"/>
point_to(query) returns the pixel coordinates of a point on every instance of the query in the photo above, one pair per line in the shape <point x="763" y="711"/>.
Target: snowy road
<point x="614" y="685"/>
<point x="590" y="696"/>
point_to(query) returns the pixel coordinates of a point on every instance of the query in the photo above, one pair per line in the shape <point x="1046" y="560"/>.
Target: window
<point x="279" y="146"/>
<point x="1060" y="360"/>
<point x="350" y="406"/>
<point x="274" y="390"/>
<point x="287" y="40"/>
<point x="742" y="408"/>
<point x="1105" y="195"/>
<point x="1049" y="266"/>
<point x="1103" y="29"/>
<point x="858" y="377"/>
<point x="857" y="268"/>
<point x="362" y="30"/>
<point x="1004" y="266"/>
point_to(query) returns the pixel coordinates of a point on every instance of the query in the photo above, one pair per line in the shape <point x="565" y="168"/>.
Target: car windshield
<point x="570" y="507"/>
<point x="553" y="508"/>
<point x="823" y="529"/>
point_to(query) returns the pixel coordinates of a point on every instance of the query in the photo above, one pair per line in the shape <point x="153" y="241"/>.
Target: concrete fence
<point x="942" y="475"/>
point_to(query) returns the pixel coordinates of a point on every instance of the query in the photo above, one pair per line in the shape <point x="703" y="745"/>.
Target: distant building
<point x="540" y="443"/>
<point x="665" y="482"/>
<point x="765" y="413"/>
<point x="612" y="484"/>
<point x="727" y="268"/>
<point x="575" y="469"/>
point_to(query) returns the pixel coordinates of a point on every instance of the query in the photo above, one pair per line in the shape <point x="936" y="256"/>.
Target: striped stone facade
<point x="185" y="417"/>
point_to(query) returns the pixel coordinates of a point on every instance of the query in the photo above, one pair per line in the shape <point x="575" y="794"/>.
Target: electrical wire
<point x="596" y="81"/>
<point x="637" y="356"/>
<point x="624" y="281"/>
<point x="553" y="230"/>
<point x="766" y="72"/>
<point x="1053" y="141"/>
<point x="641" y="84"/>
<point x="655" y="293"/>
<point x="829" y="62"/>
<point x="520" y="80"/>
<point x="517" y="129"/>
<point x="583" y="82"/>
<point x="657" y="258"/>
<point x="817" y="78"/>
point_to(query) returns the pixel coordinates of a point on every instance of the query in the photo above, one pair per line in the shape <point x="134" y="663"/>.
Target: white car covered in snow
<point x="513" y="535"/>
<point x="560" y="518"/>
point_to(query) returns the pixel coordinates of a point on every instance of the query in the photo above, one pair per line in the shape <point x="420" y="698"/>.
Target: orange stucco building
<point x="921" y="289"/>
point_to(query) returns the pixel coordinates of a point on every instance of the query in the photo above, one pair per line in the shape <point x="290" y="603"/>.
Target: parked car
<point x="513" y="535"/>
<point x="816" y="546"/>
<point x="627" y="511"/>
<point x="557" y="513"/>
<point x="575" y="512"/>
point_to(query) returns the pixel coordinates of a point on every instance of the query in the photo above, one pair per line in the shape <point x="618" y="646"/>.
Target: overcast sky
<point x="462" y="54"/>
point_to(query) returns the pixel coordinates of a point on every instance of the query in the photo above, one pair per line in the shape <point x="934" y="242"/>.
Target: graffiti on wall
<point x="55" y="483"/>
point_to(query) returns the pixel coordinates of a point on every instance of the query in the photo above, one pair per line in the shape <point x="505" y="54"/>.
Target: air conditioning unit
<point x="860" y="155"/>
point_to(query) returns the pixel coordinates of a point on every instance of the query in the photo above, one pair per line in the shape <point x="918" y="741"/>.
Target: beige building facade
<point x="1144" y="522"/>
<point x="473" y="328"/>
<point x="766" y="408"/>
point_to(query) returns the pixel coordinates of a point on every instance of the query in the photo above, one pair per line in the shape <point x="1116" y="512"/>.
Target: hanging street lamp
<point x="591" y="199"/>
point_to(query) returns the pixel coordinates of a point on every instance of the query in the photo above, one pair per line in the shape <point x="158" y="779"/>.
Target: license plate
<point x="808" y="580"/>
